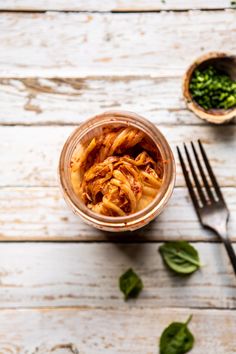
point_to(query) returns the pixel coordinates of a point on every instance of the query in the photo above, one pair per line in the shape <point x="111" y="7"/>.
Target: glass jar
<point x="93" y="127"/>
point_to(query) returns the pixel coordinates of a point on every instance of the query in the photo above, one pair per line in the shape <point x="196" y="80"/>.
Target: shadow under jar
<point x="97" y="129"/>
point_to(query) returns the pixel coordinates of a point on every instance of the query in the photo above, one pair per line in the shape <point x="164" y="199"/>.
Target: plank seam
<point x="111" y="308"/>
<point x="29" y="11"/>
<point x="128" y="242"/>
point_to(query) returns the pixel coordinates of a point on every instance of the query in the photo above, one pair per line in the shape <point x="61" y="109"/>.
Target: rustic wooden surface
<point x="85" y="279"/>
<point x="39" y="213"/>
<point x="61" y="62"/>
<point x="33" y="101"/>
<point x="118" y="331"/>
<point x="111" y="5"/>
<point x="60" y="101"/>
<point x="78" y="44"/>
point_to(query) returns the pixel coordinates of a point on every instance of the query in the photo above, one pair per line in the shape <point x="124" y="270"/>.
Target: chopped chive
<point x="213" y="89"/>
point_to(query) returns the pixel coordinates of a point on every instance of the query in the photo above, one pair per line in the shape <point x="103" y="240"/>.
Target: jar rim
<point x="123" y="118"/>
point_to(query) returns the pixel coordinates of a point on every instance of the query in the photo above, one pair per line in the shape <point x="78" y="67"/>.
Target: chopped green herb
<point x="213" y="89"/>
<point x="233" y="3"/>
<point x="163" y="1"/>
<point x="180" y="256"/>
<point x="176" y="338"/>
<point x="130" y="284"/>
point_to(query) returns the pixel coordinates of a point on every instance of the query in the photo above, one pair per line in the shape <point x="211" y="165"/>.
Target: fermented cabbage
<point x="117" y="173"/>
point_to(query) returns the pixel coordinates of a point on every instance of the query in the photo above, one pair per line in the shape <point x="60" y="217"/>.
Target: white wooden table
<point x="64" y="61"/>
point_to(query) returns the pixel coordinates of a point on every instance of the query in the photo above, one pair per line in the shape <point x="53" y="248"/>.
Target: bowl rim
<point x="217" y="116"/>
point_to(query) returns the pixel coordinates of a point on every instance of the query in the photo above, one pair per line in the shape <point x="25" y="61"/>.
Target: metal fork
<point x="208" y="202"/>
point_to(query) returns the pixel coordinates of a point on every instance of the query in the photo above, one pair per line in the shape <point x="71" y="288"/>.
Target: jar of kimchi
<point x="117" y="171"/>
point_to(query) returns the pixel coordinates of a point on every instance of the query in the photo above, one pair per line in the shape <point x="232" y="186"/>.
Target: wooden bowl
<point x="223" y="62"/>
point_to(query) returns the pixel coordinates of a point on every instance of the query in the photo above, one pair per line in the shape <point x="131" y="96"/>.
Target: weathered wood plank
<point x="77" y="44"/>
<point x="86" y="275"/>
<point x="71" y="100"/>
<point x="114" y="331"/>
<point x="34" y="101"/>
<point x="41" y="214"/>
<point x="30" y="154"/>
<point x="111" y="5"/>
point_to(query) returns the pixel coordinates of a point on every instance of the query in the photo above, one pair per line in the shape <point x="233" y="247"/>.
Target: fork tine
<point x="206" y="184"/>
<point x="211" y="174"/>
<point x="196" y="180"/>
<point x="188" y="182"/>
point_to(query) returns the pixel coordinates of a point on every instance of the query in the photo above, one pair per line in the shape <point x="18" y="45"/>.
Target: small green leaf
<point x="176" y="338"/>
<point x="180" y="256"/>
<point x="130" y="284"/>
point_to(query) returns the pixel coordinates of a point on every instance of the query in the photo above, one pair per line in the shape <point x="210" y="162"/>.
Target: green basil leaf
<point x="176" y="338"/>
<point x="130" y="284"/>
<point x="180" y="256"/>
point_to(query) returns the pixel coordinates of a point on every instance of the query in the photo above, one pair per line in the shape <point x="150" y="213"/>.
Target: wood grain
<point x="60" y="68"/>
<point x="111" y="331"/>
<point x="83" y="44"/>
<point x="41" y="214"/>
<point x="32" y="101"/>
<point x="31" y="154"/>
<point x="110" y="5"/>
<point x="86" y="275"/>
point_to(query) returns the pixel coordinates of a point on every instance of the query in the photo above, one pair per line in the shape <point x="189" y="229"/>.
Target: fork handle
<point x="231" y="252"/>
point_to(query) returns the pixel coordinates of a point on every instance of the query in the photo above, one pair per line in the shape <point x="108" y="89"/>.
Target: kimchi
<point x="118" y="172"/>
